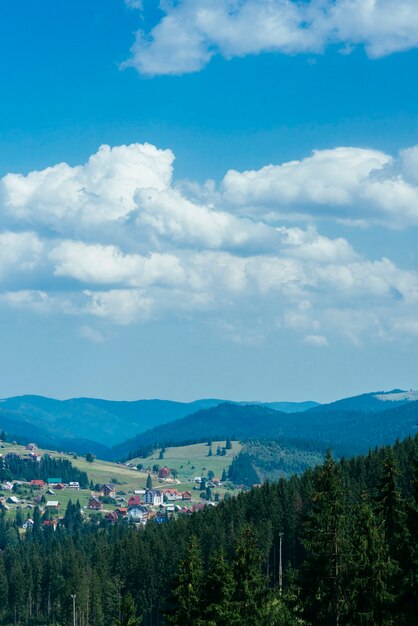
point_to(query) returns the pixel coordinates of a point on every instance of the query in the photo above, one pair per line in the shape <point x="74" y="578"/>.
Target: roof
<point x="52" y="503"/>
<point x="51" y="481"/>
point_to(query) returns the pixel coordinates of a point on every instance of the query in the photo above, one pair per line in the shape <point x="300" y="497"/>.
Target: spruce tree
<point x="251" y="584"/>
<point x="149" y="482"/>
<point x="128" y="612"/>
<point x="218" y="592"/>
<point x="186" y="608"/>
<point x="323" y="538"/>
<point x="4" y="587"/>
<point x="369" y="576"/>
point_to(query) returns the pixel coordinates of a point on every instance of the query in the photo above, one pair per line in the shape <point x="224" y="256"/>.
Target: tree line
<point x="14" y="467"/>
<point x="346" y="532"/>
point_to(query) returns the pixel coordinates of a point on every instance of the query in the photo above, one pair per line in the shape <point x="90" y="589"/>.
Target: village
<point x="123" y="499"/>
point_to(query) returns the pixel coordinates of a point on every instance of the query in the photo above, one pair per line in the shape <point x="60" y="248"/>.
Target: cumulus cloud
<point x="116" y="239"/>
<point x="19" y="252"/>
<point x="191" y="33"/>
<point x="101" y="190"/>
<point x="345" y="183"/>
<point x="95" y="263"/>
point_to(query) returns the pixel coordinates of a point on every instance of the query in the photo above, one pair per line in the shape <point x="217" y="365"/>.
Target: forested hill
<point x="346" y="430"/>
<point x="375" y="402"/>
<point x="27" y="431"/>
<point x="226" y="420"/>
<point x="105" y="422"/>
<point x="350" y="557"/>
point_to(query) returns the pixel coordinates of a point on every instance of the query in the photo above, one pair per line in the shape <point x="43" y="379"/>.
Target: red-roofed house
<point x="95" y="504"/>
<point x="164" y="472"/>
<point x="37" y="483"/>
<point x="134" y="501"/>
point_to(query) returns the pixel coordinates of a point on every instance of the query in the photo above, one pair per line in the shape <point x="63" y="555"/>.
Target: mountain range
<point x="117" y="429"/>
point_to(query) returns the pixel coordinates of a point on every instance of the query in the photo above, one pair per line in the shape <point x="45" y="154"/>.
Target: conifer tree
<point x="250" y="592"/>
<point x="187" y="590"/>
<point x="369" y="576"/>
<point x="128" y="612"/>
<point x="4" y="587"/>
<point x="149" y="482"/>
<point x="218" y="591"/>
<point x="323" y="539"/>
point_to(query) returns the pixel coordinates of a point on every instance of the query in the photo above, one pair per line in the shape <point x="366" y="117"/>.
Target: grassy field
<point x="193" y="460"/>
<point x="189" y="461"/>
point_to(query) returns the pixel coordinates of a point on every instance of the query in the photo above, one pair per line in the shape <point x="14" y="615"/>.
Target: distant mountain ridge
<point x="334" y="425"/>
<point x="113" y="429"/>
<point x="106" y="422"/>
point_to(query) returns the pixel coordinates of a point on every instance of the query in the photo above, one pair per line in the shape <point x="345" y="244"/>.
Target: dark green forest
<point x="349" y="556"/>
<point x="13" y="467"/>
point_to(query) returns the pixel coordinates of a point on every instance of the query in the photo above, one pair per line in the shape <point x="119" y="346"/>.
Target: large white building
<point x="153" y="497"/>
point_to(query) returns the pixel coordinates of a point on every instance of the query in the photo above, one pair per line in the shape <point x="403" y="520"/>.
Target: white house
<point x="13" y="500"/>
<point x="74" y="485"/>
<point x="153" y="496"/>
<point x="52" y="504"/>
<point x="138" y="514"/>
<point x="7" y="486"/>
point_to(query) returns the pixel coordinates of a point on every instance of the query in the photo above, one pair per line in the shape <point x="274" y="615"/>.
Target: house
<point x="13" y="500"/>
<point x="185" y="511"/>
<point x="7" y="486"/>
<point x="153" y="496"/>
<point x="60" y="486"/>
<point x="37" y="483"/>
<point x="108" y="491"/>
<point x="28" y="524"/>
<point x="112" y="517"/>
<point x="53" y="504"/>
<point x="164" y="472"/>
<point x="95" y="504"/>
<point x="134" y="501"/>
<point x="121" y="512"/>
<point x="138" y="514"/>
<point x="186" y="495"/>
<point x="32" y="447"/>
<point x="50" y="492"/>
<point x="74" y="485"/>
<point x="54" y="481"/>
<point x="171" y="495"/>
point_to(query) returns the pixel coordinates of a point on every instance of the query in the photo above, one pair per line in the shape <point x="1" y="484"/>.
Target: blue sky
<point x="249" y="232"/>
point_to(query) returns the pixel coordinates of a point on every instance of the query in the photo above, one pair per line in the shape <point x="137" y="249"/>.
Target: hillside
<point x="347" y="431"/>
<point x="106" y="422"/>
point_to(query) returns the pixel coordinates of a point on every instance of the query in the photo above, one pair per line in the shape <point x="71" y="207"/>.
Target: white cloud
<point x="191" y="33"/>
<point x="168" y="250"/>
<point x="121" y="306"/>
<point x="352" y="184"/>
<point x="95" y="263"/>
<point x="315" y="340"/>
<point x="101" y="190"/>
<point x="92" y="334"/>
<point x="172" y="216"/>
<point x="19" y="252"/>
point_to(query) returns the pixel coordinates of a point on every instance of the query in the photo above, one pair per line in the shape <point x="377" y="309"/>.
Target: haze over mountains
<point x="114" y="429"/>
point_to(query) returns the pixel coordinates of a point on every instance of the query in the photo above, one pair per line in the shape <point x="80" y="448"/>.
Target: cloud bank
<point x="116" y="240"/>
<point x="190" y="33"/>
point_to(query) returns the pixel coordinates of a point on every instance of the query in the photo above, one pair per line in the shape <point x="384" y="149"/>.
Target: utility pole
<point x="280" y="564"/>
<point x="73" y="595"/>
